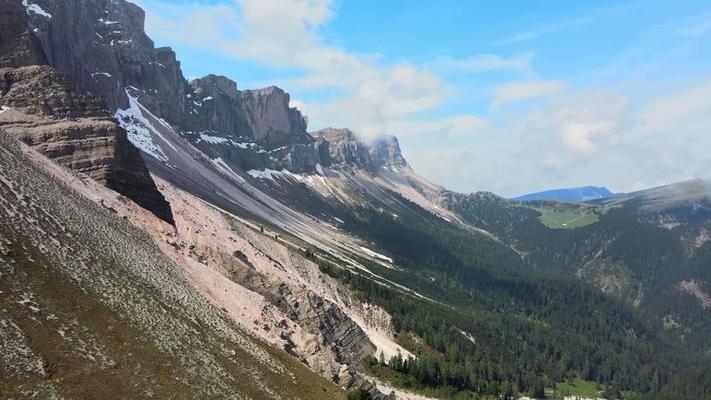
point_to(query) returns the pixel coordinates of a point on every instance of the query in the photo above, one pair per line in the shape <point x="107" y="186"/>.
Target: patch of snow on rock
<point x="35" y="9"/>
<point x="268" y="174"/>
<point x="107" y="22"/>
<point x="213" y="139"/>
<point x="376" y="255"/>
<point x="137" y="128"/>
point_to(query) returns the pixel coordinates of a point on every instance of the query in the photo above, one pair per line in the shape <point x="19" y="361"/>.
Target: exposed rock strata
<point x="46" y="111"/>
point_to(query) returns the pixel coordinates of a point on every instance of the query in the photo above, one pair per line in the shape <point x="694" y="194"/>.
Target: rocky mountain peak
<point x="214" y="84"/>
<point x="336" y="134"/>
<point x="343" y="146"/>
<point x="272" y="120"/>
<point x="385" y="151"/>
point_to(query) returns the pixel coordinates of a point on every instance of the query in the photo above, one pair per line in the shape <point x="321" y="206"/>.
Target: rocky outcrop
<point x="344" y="148"/>
<point x="272" y="121"/>
<point x="45" y="110"/>
<point x="18" y="46"/>
<point x="385" y="152"/>
<point x="340" y="146"/>
<point x="102" y="45"/>
<point x="49" y="112"/>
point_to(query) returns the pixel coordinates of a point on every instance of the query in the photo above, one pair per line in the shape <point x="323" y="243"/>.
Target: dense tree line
<point x="498" y="325"/>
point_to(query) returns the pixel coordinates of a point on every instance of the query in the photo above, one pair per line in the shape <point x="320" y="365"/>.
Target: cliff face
<point x="385" y="152"/>
<point x="342" y="147"/>
<point x="18" y="46"/>
<point x="102" y="45"/>
<point x="46" y="110"/>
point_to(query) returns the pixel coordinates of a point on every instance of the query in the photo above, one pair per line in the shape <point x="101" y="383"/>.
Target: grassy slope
<point x="566" y="219"/>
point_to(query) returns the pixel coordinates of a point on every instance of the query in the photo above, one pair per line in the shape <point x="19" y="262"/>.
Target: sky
<point x="505" y="96"/>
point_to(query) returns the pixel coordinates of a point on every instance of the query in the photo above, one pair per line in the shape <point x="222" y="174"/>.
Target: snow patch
<point x="107" y="22"/>
<point x="269" y="174"/>
<point x="244" y="145"/>
<point x="207" y="98"/>
<point x="106" y="74"/>
<point x="35" y="9"/>
<point x="319" y="169"/>
<point x="376" y="255"/>
<point x="212" y="139"/>
<point x="139" y="128"/>
<point x="468" y="336"/>
<point x="4" y="108"/>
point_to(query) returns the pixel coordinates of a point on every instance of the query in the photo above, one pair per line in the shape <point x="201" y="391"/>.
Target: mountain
<point x="207" y="235"/>
<point x="45" y="109"/>
<point x="92" y="305"/>
<point x="578" y="194"/>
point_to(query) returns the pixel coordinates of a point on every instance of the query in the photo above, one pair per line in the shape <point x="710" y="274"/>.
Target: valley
<point x="173" y="238"/>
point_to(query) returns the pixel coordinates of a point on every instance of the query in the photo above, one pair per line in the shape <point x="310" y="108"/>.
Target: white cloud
<point x="453" y="127"/>
<point x="488" y="62"/>
<point x="684" y="109"/>
<point x="549" y="27"/>
<point x="599" y="138"/>
<point x="372" y="98"/>
<point x="523" y="90"/>
<point x="582" y="122"/>
<point x="595" y="138"/>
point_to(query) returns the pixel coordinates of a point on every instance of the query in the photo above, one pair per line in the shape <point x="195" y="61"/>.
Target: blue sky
<point x="505" y="96"/>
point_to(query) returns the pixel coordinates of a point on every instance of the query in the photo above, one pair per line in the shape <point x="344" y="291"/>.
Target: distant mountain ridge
<point x="577" y="194"/>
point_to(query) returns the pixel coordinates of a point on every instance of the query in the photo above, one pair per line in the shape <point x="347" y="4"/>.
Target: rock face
<point x="385" y="152"/>
<point x="271" y="119"/>
<point x="344" y="148"/>
<point x="44" y="108"/>
<point x="18" y="46"/>
<point x="341" y="147"/>
<point x="102" y="46"/>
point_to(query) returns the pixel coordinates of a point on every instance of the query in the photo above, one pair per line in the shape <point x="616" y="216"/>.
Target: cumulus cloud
<point x="581" y="122"/>
<point x="597" y="138"/>
<point x="574" y="138"/>
<point x="516" y="91"/>
<point x="372" y="98"/>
